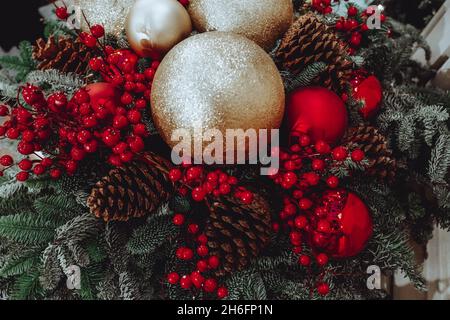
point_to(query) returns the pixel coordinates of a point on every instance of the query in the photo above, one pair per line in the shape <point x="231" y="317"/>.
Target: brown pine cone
<point x="131" y="191"/>
<point x="237" y="233"/>
<point x="63" y="54"/>
<point x="375" y="145"/>
<point x="309" y="40"/>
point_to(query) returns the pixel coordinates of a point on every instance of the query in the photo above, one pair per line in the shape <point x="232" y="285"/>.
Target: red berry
<point x="88" y="40"/>
<point x="312" y="178"/>
<point x="202" y="239"/>
<point x="84" y="136"/>
<point x="24" y="165"/>
<point x="91" y="146"/>
<point x="305" y="203"/>
<point x="89" y="122"/>
<point x="22" y="176"/>
<point x="126" y="98"/>
<point x="136" y="144"/>
<point x="140" y="104"/>
<point x="198" y="194"/>
<point x="175" y="175"/>
<point x="210" y="285"/>
<point x="61" y="13"/>
<point x="38" y="169"/>
<point x="324" y="226"/>
<point x="318" y="165"/>
<point x="213" y="262"/>
<point x="140" y="130"/>
<point x="178" y="219"/>
<point x="57" y="102"/>
<point x="225" y="188"/>
<point x="197" y="279"/>
<point x="149" y="73"/>
<point x="25" y="148"/>
<point x="246" y="197"/>
<point x="193" y="228"/>
<point x="202" y="265"/>
<point x="296" y="238"/>
<point x="322" y="259"/>
<point x="111" y="137"/>
<point x="115" y="160"/>
<point x="71" y="166"/>
<point x="304" y="260"/>
<point x="81" y="96"/>
<point x="155" y="64"/>
<point x="173" y="278"/>
<point x="222" y="292"/>
<point x="47" y="162"/>
<point x="322" y="147"/>
<point x="12" y="133"/>
<point x="352" y="11"/>
<point x="202" y="250"/>
<point x="77" y="154"/>
<point x="184" y="253"/>
<point x="6" y="161"/>
<point x="185" y="282"/>
<point x="55" y="173"/>
<point x="301" y="222"/>
<point x="134" y="116"/>
<point x="97" y="31"/>
<point x="120" y="122"/>
<point x="4" y="111"/>
<point x="96" y="64"/>
<point x="333" y="182"/>
<point x="323" y="289"/>
<point x="126" y="156"/>
<point x="358" y="155"/>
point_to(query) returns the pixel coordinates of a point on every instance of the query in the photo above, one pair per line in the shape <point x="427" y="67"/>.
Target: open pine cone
<point x="131" y="191"/>
<point x="237" y="233"/>
<point x="375" y="145"/>
<point x="62" y="53"/>
<point x="309" y="40"/>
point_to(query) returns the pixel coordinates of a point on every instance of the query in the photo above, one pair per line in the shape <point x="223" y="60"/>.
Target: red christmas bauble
<point x="350" y="224"/>
<point x="103" y="94"/>
<point x="318" y="112"/>
<point x="370" y="92"/>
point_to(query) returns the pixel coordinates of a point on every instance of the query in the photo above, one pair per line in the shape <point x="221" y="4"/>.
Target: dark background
<point x="19" y="20"/>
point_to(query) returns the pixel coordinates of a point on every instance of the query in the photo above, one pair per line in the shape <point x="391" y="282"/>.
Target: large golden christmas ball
<point x="111" y="14"/>
<point x="154" y="26"/>
<point x="261" y="21"/>
<point x="216" y="80"/>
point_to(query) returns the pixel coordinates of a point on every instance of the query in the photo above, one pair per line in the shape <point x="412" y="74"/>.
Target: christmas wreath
<point x="88" y="112"/>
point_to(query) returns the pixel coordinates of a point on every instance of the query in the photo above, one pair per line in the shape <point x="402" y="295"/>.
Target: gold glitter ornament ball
<point x="153" y="27"/>
<point x="216" y="80"/>
<point x="111" y="14"/>
<point x="263" y="21"/>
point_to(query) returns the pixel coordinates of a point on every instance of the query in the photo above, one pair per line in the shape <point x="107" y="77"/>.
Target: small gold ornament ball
<point x="263" y="21"/>
<point x="153" y="27"/>
<point x="216" y="80"/>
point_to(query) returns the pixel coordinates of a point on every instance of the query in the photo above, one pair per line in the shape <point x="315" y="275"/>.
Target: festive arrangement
<point x="88" y="115"/>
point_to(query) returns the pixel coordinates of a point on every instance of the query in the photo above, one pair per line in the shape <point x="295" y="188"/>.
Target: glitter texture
<point x="217" y="80"/>
<point x="263" y="21"/>
<point x="111" y="14"/>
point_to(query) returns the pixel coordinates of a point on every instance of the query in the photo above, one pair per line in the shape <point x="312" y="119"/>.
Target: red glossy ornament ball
<point x="318" y="112"/>
<point x="103" y="94"/>
<point x="370" y="92"/>
<point x="351" y="221"/>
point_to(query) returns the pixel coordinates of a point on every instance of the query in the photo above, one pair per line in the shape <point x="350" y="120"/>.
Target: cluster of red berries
<point x="304" y="172"/>
<point x="355" y="26"/>
<point x="324" y="6"/>
<point x="197" y="280"/>
<point x="202" y="183"/>
<point x="104" y="118"/>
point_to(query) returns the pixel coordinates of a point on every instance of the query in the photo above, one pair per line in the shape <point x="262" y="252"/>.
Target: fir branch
<point x="57" y="81"/>
<point x="27" y="286"/>
<point x="27" y="228"/>
<point x="19" y="264"/>
<point x="304" y="78"/>
<point x="246" y="285"/>
<point x="22" y="64"/>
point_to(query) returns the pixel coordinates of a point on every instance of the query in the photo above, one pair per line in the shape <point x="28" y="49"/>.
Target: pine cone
<point x="131" y="191"/>
<point x="381" y="160"/>
<point x="63" y="54"/>
<point x="309" y="40"/>
<point x="237" y="233"/>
